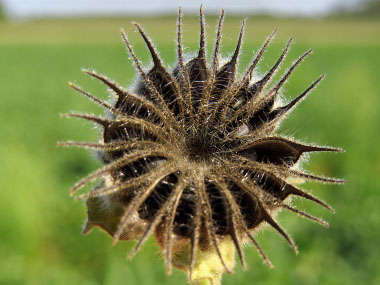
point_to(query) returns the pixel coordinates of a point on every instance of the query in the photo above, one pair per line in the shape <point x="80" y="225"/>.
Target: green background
<point x="40" y="225"/>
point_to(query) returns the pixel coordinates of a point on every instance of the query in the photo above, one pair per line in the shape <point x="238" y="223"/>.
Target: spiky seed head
<point x="191" y="154"/>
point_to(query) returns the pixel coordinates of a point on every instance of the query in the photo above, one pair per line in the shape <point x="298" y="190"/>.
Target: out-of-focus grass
<point x="83" y="31"/>
<point x="40" y="240"/>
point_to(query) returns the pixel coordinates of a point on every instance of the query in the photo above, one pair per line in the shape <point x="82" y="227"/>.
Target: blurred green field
<point x="40" y="225"/>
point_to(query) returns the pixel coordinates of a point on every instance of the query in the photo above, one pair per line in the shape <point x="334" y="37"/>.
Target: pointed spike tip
<point x="169" y="271"/>
<point x="259" y="249"/>
<point x="202" y="41"/>
<point x="289" y="43"/>
<point x="124" y="35"/>
<point x="238" y="46"/>
<point x="87" y="71"/>
<point x="153" y="52"/>
<point x="76" y="198"/>
<point x="299" y="98"/>
<point x="131" y="255"/>
<point x="341" y="181"/>
<point x="191" y="275"/>
<point x="215" y="61"/>
<point x="331" y="149"/>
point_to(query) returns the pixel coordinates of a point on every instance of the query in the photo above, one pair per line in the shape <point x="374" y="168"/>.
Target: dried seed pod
<point x="191" y="155"/>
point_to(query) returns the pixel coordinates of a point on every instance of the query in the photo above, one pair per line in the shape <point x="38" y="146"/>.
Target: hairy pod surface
<point x="191" y="154"/>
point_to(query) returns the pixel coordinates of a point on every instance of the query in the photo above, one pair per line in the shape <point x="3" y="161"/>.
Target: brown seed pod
<point x="191" y="155"/>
